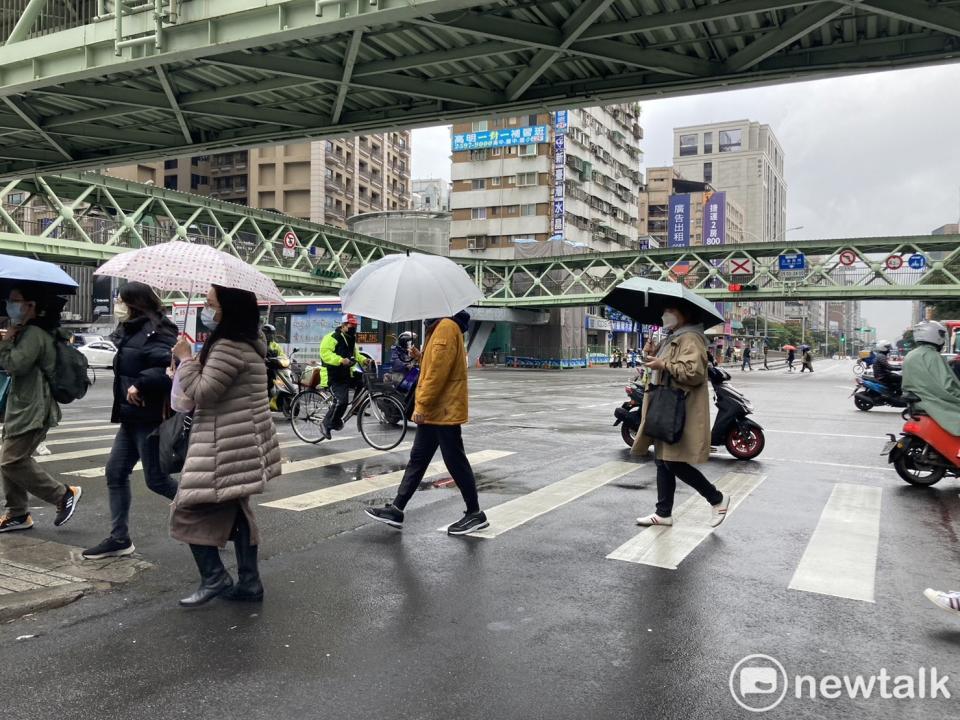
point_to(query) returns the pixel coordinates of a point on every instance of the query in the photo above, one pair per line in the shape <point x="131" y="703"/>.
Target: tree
<point x="946" y="310"/>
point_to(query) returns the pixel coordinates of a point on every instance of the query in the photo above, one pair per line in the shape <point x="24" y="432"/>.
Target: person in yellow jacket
<point x="339" y="354"/>
<point x="440" y="410"/>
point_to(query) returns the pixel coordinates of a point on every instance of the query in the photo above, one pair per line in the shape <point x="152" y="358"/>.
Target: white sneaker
<point x="949" y="601"/>
<point x="654" y="519"/>
<point x="720" y="511"/>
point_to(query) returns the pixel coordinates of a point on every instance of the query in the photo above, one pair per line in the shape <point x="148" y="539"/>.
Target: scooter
<point x="924" y="453"/>
<point x="742" y="437"/>
<point x="286" y="382"/>
<point x="869" y="393"/>
<point x="628" y="414"/>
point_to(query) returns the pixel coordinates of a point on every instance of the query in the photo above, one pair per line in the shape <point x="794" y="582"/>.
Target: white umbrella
<point x="397" y="288"/>
<point x="187" y="266"/>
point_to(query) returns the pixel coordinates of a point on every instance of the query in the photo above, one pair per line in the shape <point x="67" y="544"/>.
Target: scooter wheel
<point x="745" y="444"/>
<point x="862" y="403"/>
<point x="918" y="475"/>
<point x="628" y="434"/>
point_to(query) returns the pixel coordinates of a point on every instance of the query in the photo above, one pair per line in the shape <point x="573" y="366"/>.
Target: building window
<point x="688" y="145"/>
<point x="198" y="180"/>
<point x="14" y="198"/>
<point x="169" y="164"/>
<point x="478" y="213"/>
<point x="528" y="210"/>
<point x="708" y="172"/>
<point x="477" y="183"/>
<point x="170" y="182"/>
<point x="527" y="151"/>
<point x="707" y="143"/>
<point x="327" y="201"/>
<point x="329" y="146"/>
<point x="526" y="179"/>
<point x="479" y="126"/>
<point x="478" y="154"/>
<point x="495" y="152"/>
<point x="495" y="182"/>
<point x="731" y="140"/>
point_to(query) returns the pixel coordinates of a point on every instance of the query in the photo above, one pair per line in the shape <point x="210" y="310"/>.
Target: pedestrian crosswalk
<point x="839" y="560"/>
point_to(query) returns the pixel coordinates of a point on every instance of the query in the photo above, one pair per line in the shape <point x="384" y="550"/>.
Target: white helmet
<point x="931" y="332"/>
<point x="884" y="346"/>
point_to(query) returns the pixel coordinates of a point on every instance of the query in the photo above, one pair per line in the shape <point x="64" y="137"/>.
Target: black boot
<point x="214" y="578"/>
<point x="248" y="587"/>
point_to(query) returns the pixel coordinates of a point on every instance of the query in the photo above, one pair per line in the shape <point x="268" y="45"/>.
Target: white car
<point x="99" y="353"/>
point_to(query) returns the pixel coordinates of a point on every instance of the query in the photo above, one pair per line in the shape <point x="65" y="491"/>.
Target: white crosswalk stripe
<point x="84" y="429"/>
<point x="841" y="557"/>
<point x="667" y="546"/>
<point x="524" y="509"/>
<point x="346" y="491"/>
<point x="93" y="452"/>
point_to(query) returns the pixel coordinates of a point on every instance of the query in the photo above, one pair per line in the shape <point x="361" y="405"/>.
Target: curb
<point x="24" y="603"/>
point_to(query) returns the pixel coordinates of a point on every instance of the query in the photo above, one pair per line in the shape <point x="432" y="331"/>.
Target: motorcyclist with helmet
<point x="404" y="355"/>
<point x="882" y="370"/>
<point x="275" y="355"/>
<point x="927" y="374"/>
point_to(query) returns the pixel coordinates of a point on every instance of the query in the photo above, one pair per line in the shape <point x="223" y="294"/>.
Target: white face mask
<point x="121" y="312"/>
<point x="207" y="315"/>
<point x="15" y="311"/>
<point x="670" y="320"/>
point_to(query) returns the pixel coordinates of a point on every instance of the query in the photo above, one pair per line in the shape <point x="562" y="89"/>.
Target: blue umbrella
<point x="19" y="269"/>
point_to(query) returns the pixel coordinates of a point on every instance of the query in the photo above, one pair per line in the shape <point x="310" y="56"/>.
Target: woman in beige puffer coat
<point x="233" y="448"/>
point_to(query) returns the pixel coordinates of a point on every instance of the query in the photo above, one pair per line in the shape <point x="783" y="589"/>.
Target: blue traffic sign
<point x="794" y="261"/>
<point x="917" y="261"/>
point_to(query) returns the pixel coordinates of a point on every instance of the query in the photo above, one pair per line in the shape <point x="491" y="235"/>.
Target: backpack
<point x="70" y="380"/>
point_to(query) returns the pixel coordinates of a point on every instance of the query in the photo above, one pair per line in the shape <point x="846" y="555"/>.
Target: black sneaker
<point x="325" y="431"/>
<point x="389" y="514"/>
<point x="469" y="523"/>
<point x="67" y="504"/>
<point x="109" y="548"/>
<point x="9" y="523"/>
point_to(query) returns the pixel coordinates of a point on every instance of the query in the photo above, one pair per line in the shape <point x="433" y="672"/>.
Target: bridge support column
<point x="479" y="334"/>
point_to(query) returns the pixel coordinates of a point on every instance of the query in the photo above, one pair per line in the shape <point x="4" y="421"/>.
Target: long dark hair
<point x="49" y="305"/>
<point x="239" y="319"/>
<point x="140" y="299"/>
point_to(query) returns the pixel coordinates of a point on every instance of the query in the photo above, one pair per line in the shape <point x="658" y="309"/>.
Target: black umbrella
<point x="645" y="300"/>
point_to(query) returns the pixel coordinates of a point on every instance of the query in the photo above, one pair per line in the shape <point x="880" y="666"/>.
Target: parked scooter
<point x="925" y="453"/>
<point x="286" y="383"/>
<point x="869" y="393"/>
<point x="742" y="437"/>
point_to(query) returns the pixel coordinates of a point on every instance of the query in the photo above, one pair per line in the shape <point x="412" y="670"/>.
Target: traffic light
<point x="318" y="272"/>
<point x="737" y="287"/>
<point x="843" y="338"/>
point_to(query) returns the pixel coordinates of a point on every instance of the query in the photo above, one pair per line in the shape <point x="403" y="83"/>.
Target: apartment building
<point x="325" y="181"/>
<point x="431" y="195"/>
<point x="569" y="174"/>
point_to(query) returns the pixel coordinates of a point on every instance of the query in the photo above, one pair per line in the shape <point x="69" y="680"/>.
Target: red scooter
<point x="925" y="453"/>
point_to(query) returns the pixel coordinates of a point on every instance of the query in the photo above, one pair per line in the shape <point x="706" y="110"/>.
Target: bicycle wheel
<point x="307" y="411"/>
<point x="381" y="421"/>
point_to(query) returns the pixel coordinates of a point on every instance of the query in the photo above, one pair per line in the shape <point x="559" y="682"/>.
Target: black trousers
<point x="450" y="441"/>
<point x="341" y="393"/>
<point x="667" y="474"/>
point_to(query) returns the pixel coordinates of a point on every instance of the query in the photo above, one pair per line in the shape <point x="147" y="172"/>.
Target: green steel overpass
<point x="87" y="218"/>
<point x="107" y="82"/>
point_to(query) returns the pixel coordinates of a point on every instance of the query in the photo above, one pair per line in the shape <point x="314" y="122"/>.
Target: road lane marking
<point x="346" y="491"/>
<point x="816" y="434"/>
<point x="521" y="510"/>
<point x="829" y="464"/>
<point x="93" y="452"/>
<point x="86" y="428"/>
<point x="667" y="546"/>
<point x="74" y="441"/>
<point x="841" y="557"/>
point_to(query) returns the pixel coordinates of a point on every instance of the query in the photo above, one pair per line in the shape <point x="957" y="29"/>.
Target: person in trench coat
<point x="233" y="449"/>
<point x="682" y="355"/>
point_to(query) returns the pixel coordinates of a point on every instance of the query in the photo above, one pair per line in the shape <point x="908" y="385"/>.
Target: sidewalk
<point x="37" y="574"/>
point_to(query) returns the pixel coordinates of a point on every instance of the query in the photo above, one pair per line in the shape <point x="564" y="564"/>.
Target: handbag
<point x="179" y="401"/>
<point x="666" y="412"/>
<point x="4" y="391"/>
<point x="174" y="435"/>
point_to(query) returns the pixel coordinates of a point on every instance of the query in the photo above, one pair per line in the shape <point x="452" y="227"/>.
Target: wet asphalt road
<point x="362" y="621"/>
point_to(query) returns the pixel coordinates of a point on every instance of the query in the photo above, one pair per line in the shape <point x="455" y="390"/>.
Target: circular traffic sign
<point x="894" y="262"/>
<point x="290" y="240"/>
<point x="848" y="257"/>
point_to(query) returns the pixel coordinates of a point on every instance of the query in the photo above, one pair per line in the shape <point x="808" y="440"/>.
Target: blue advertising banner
<point x="715" y="219"/>
<point x="559" y="184"/>
<point x="560" y="122"/>
<point x="500" y="138"/>
<point x="679" y="221"/>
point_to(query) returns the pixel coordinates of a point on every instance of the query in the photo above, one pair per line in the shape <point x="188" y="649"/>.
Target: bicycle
<point x="380" y="415"/>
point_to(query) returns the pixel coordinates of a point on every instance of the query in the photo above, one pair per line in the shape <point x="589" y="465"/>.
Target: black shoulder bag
<point x="174" y="434"/>
<point x="666" y="412"/>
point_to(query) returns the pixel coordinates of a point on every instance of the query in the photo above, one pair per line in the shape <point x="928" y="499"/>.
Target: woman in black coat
<point x="141" y="387"/>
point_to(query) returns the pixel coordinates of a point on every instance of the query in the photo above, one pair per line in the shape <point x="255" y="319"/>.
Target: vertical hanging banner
<point x="559" y="170"/>
<point x="715" y="218"/>
<point x="679" y="221"/>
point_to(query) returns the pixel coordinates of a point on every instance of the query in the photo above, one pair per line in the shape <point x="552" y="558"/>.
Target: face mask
<point x="121" y="312"/>
<point x="15" y="311"/>
<point x="351" y="330"/>
<point x="207" y="316"/>
<point x="669" y="320"/>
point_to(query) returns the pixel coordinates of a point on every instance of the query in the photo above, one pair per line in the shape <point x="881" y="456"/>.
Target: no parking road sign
<point x="289" y="243"/>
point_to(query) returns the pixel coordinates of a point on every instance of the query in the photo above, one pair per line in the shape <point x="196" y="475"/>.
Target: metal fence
<point x="55" y="15"/>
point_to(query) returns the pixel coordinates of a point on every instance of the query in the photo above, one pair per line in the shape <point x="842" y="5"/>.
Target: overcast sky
<point x="868" y="155"/>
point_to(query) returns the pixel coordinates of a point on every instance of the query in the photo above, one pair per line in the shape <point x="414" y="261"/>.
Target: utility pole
<point x="826" y="328"/>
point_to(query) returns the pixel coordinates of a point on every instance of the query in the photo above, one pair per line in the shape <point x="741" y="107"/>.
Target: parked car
<point x="99" y="353"/>
<point x="81" y="339"/>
